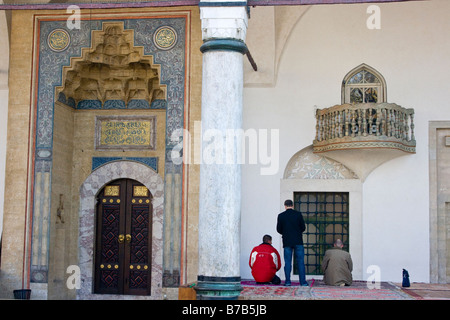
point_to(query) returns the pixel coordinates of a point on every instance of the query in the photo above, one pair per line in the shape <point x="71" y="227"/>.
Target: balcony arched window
<point x="363" y="85"/>
<point x="364" y="131"/>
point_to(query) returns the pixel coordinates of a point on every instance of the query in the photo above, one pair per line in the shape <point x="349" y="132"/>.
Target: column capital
<point x="224" y="22"/>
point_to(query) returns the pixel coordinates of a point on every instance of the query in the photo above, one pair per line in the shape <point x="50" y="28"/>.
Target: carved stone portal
<point x="111" y="73"/>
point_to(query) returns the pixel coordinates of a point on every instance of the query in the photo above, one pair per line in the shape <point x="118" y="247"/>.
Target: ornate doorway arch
<point x="93" y="184"/>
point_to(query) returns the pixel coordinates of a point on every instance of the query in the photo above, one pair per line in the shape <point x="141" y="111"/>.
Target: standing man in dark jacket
<point x="290" y="225"/>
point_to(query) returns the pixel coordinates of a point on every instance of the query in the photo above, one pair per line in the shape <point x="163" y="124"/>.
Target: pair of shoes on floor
<point x="288" y="284"/>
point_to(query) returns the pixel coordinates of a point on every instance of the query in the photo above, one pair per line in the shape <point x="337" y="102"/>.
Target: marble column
<point x="223" y="31"/>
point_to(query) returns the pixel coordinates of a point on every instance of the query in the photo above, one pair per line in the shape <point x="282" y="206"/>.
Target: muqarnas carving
<point x="112" y="74"/>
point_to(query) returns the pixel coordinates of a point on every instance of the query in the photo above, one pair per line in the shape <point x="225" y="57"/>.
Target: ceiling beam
<point x="63" y="4"/>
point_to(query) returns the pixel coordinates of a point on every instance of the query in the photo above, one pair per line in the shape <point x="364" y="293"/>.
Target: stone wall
<point x="439" y="141"/>
<point x="16" y="203"/>
<point x="72" y="153"/>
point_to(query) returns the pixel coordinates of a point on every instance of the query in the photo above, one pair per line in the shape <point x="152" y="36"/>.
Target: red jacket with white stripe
<point x="264" y="261"/>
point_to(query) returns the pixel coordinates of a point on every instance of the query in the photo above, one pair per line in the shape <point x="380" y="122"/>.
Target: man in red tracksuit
<point x="265" y="261"/>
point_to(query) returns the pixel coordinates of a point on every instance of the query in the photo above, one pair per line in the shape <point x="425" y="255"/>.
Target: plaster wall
<point x="409" y="50"/>
<point x="14" y="212"/>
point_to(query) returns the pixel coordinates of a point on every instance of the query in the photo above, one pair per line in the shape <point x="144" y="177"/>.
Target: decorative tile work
<point x="114" y="104"/>
<point x="89" y="104"/>
<point x="138" y="104"/>
<point x="159" y="104"/>
<point x="50" y="62"/>
<point x="151" y="162"/>
<point x="58" y="40"/>
<point x="165" y="38"/>
<point x="99" y="161"/>
<point x="50" y="65"/>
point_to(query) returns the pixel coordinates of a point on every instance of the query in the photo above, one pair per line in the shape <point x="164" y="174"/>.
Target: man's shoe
<point x="287" y="284"/>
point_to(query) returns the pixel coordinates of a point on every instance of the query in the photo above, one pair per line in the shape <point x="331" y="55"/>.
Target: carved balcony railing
<point x="363" y="136"/>
<point x="365" y="126"/>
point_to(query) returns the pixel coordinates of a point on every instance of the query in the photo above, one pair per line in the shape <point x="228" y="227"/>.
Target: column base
<point x="218" y="288"/>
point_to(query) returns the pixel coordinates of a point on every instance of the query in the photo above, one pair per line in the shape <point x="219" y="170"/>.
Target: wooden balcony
<point x="363" y="136"/>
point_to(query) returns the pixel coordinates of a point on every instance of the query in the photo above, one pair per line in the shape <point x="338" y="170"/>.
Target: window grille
<point x="326" y="216"/>
<point x="363" y="85"/>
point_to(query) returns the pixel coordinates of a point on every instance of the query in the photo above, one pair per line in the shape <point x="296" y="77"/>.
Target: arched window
<point x="363" y="85"/>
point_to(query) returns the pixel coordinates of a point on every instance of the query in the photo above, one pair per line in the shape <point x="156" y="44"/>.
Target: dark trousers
<point x="300" y="257"/>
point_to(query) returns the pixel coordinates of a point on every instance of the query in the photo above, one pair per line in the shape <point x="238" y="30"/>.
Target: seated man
<point x="337" y="266"/>
<point x="265" y="261"/>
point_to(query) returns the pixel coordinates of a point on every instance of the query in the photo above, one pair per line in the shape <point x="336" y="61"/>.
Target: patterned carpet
<point x="319" y="291"/>
<point x="427" y="291"/>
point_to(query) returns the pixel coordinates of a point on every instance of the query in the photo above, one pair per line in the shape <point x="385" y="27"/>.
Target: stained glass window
<point x="364" y="85"/>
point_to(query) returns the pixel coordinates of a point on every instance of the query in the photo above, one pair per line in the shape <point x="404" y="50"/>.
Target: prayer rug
<point x="428" y="291"/>
<point x="348" y="293"/>
<point x="274" y="292"/>
<point x="317" y="290"/>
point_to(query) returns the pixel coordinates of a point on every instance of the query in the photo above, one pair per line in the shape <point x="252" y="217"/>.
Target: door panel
<point x="138" y="259"/>
<point x="108" y="271"/>
<point x="123" y="240"/>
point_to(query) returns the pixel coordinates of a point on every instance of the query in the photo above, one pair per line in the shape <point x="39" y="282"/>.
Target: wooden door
<point x="123" y="239"/>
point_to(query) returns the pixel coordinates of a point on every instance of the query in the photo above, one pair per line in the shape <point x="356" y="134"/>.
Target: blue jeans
<point x="300" y="255"/>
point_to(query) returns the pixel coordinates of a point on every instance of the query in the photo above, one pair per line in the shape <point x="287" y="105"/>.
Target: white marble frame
<point x="439" y="206"/>
<point x="88" y="192"/>
<point x="354" y="188"/>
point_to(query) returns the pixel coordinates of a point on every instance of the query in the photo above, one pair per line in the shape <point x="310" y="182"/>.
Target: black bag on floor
<point x="405" y="282"/>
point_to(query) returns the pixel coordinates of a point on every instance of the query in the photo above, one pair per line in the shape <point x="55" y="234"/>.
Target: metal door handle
<point x="128" y="238"/>
<point x="121" y="238"/>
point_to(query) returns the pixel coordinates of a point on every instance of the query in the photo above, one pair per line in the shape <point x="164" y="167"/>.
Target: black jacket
<point x="290" y="225"/>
